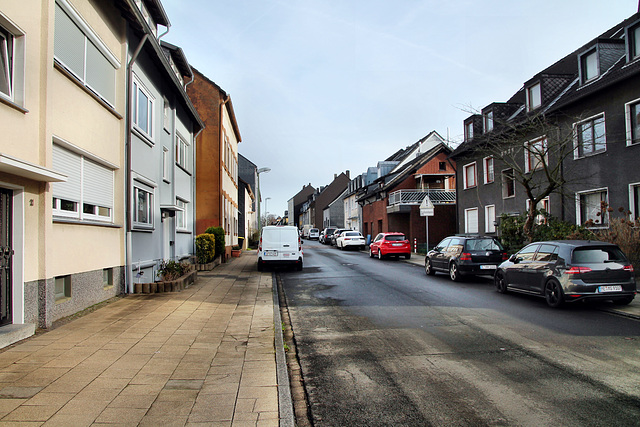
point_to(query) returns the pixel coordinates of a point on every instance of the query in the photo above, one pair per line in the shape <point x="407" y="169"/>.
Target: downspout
<point x="165" y="33"/>
<point x="129" y="181"/>
<point x="220" y="182"/>
<point x="195" y="183"/>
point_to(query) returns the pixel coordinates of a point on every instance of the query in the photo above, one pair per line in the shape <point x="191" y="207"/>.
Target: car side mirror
<point x="513" y="259"/>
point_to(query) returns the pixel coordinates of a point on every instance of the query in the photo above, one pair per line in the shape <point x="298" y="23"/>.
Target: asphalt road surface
<point x="380" y="343"/>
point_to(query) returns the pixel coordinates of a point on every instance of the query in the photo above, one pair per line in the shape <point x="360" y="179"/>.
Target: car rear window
<point x="279" y="235"/>
<point x="351" y="233"/>
<point x="395" y="238"/>
<point x="601" y="255"/>
<point x="483" y="245"/>
<point x="314" y="230"/>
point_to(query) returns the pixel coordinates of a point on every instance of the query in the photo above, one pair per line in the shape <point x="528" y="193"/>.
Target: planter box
<point x="208" y="266"/>
<point x="167" y="286"/>
<point x="236" y="253"/>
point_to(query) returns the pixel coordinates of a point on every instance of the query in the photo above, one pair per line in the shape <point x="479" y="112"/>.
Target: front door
<point x="167" y="238"/>
<point x="6" y="255"/>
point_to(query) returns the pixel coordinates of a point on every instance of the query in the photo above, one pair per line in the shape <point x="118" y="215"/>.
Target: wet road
<point x="380" y="343"/>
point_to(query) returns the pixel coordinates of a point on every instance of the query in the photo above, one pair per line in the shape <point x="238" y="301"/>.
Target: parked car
<point x="568" y="271"/>
<point x="314" y="233"/>
<point x="349" y="239"/>
<point x="395" y="244"/>
<point x="334" y="237"/>
<point x="465" y="255"/>
<point x="280" y="245"/>
<point x="325" y="235"/>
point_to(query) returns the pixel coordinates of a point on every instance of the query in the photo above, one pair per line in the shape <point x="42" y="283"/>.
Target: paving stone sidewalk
<point x="203" y="356"/>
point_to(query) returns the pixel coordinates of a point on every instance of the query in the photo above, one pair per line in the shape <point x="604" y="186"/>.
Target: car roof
<point x="577" y="243"/>
<point x="393" y="233"/>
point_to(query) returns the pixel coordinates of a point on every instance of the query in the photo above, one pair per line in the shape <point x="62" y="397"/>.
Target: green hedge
<point x="205" y="248"/>
<point x="219" y="233"/>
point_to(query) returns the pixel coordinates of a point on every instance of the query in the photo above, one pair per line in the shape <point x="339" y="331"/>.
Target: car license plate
<point x="487" y="267"/>
<point x="285" y="254"/>
<point x="397" y="244"/>
<point x="613" y="288"/>
<point x="270" y="253"/>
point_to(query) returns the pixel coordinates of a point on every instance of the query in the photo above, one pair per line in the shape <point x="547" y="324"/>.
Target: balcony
<point x="402" y="200"/>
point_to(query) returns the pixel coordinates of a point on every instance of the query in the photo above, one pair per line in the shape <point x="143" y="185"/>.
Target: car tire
<point x="553" y="294"/>
<point x="299" y="266"/>
<point x="623" y="301"/>
<point x="260" y="266"/>
<point x="371" y="253"/>
<point x="500" y="282"/>
<point x="454" y="274"/>
<point x="407" y="256"/>
<point x="428" y="268"/>
<point x="379" y="254"/>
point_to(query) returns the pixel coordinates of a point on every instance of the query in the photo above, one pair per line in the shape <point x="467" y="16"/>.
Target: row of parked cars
<point x="560" y="271"/>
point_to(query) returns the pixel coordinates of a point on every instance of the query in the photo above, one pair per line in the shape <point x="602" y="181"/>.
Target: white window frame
<point x="578" y="144"/>
<point x="138" y="86"/>
<point x="489" y="169"/>
<point x="182" y="152"/>
<point x="535" y="151"/>
<point x="534" y="96"/>
<point x="487" y="121"/>
<point x="542" y="205"/>
<point x="468" y="131"/>
<point x="629" y="121"/>
<point x="582" y="221"/>
<point x="585" y="65"/>
<point x="12" y="51"/>
<point x="490" y="219"/>
<point x="467" y="185"/>
<point x="149" y="190"/>
<point x="166" y="165"/>
<point x="181" y="215"/>
<point x="467" y="220"/>
<point x="504" y="181"/>
<point x="632" y="206"/>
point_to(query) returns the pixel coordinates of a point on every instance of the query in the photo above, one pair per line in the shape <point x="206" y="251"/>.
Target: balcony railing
<point x="415" y="197"/>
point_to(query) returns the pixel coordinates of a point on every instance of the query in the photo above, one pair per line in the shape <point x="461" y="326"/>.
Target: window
<point x="181" y="215"/>
<point x="442" y="166"/>
<point x="590" y="137"/>
<point x="589" y="66"/>
<point x="166" y="165"/>
<point x="632" y="110"/>
<point x="469" y="175"/>
<point x="107" y="277"/>
<point x="80" y="51"/>
<point x="88" y="192"/>
<point x="11" y="61"/>
<point x="166" y="114"/>
<point x="182" y="152"/>
<point x="528" y="252"/>
<point x="535" y="154"/>
<point x="471" y="220"/>
<point x="547" y="253"/>
<point x="488" y="170"/>
<point x="142" y="110"/>
<point x="633" y="36"/>
<point x="63" y="287"/>
<point x="543" y="205"/>
<point x="488" y="121"/>
<point x="143" y="211"/>
<point x="534" y="97"/>
<point x="591" y="208"/>
<point x="468" y="131"/>
<point x="634" y="200"/>
<point x="508" y="184"/>
<point x="490" y="219"/>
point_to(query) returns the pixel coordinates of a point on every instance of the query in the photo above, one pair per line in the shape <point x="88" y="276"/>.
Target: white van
<point x="280" y="245"/>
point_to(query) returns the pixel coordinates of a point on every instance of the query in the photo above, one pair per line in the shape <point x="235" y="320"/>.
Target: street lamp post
<point x="258" y="172"/>
<point x="266" y="211"/>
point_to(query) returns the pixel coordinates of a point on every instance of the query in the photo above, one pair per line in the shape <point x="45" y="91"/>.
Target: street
<point x="380" y="343"/>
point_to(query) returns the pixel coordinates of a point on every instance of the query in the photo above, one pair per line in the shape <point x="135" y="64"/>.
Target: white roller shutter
<point x="97" y="185"/>
<point x="70" y="164"/>
<point x="101" y="76"/>
<point x="68" y="43"/>
<point x="471" y="220"/>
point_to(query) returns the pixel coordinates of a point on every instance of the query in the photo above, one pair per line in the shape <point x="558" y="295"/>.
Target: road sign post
<point x="427" y="209"/>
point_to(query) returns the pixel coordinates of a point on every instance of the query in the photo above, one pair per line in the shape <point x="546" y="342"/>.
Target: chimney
<point x="335" y="175"/>
<point x="348" y="173"/>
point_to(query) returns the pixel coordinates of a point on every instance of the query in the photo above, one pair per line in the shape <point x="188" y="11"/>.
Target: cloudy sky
<point x="324" y="86"/>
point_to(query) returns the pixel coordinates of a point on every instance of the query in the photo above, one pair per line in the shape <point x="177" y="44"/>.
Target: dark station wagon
<point x="567" y="271"/>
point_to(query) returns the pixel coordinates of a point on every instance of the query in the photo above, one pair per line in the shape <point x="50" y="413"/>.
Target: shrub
<point x="171" y="270"/>
<point x="205" y="248"/>
<point x="218" y="232"/>
<point x="624" y="232"/>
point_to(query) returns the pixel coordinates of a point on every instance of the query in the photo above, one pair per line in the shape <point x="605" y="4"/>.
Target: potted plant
<point x="236" y="251"/>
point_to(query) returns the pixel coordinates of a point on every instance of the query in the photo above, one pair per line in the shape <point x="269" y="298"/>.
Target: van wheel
<point x="299" y="266"/>
<point x="260" y="266"/>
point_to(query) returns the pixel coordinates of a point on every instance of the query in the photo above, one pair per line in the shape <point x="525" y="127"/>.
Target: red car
<point x="395" y="244"/>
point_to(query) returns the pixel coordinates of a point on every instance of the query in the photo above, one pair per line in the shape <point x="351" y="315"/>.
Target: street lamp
<point x="258" y="172"/>
<point x="266" y="211"/>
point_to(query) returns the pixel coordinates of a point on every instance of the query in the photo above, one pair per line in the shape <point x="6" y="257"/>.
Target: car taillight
<point x="505" y="256"/>
<point x="628" y="268"/>
<point x="260" y="244"/>
<point x="465" y="256"/>
<point x="578" y="270"/>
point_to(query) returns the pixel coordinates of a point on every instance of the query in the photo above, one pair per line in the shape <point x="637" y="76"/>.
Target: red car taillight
<point x="628" y="268"/>
<point x="260" y="244"/>
<point x="505" y="256"/>
<point x="578" y="270"/>
<point x="465" y="256"/>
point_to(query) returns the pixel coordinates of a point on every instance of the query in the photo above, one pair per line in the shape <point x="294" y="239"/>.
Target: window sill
<point x="586" y="156"/>
<point x="183" y="231"/>
<point x="13" y="105"/>
<point x="61" y="300"/>
<point x="183" y="169"/>
<point x="508" y="197"/>
<point x="143" y="136"/>
<point x="470" y="188"/>
<point x="61" y="220"/>
<point x="148" y="229"/>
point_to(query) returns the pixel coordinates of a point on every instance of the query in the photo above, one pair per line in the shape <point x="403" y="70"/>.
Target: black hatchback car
<point x="465" y="255"/>
<point x="567" y="271"/>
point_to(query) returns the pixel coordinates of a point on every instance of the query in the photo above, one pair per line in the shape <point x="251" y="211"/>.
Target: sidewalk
<point x="203" y="356"/>
<point x="632" y="310"/>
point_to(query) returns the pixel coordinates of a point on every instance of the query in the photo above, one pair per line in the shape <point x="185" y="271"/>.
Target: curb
<point x="285" y="401"/>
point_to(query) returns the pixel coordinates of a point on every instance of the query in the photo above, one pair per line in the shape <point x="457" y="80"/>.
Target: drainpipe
<point x="165" y="33"/>
<point x="129" y="181"/>
<point x="220" y="179"/>
<point x="193" y="188"/>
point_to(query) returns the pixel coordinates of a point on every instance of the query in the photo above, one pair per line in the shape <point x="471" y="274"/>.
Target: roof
<point x="178" y="57"/>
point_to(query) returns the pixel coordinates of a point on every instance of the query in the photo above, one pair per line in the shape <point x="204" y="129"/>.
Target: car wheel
<point x="260" y="266"/>
<point x="371" y="253"/>
<point x="500" y="282"/>
<point x="299" y="266"/>
<point x="379" y="254"/>
<point x="407" y="256"/>
<point x="553" y="294"/>
<point x="428" y="268"/>
<point x="454" y="274"/>
<point x="623" y="301"/>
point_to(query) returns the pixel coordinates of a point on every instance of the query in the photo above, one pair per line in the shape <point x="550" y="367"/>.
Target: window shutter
<point x="68" y="43"/>
<point x="98" y="184"/>
<point x="68" y="163"/>
<point x="101" y="76"/>
<point x="472" y="220"/>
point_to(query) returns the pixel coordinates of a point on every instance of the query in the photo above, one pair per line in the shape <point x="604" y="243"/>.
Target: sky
<point x="320" y="87"/>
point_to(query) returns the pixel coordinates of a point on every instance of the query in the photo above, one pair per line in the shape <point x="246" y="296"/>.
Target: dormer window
<point x="589" y="69"/>
<point x="468" y="131"/>
<point x="488" y="121"/>
<point x="534" y="97"/>
<point x="633" y="35"/>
